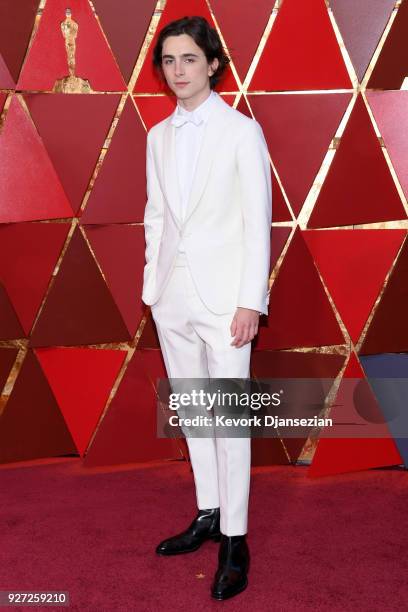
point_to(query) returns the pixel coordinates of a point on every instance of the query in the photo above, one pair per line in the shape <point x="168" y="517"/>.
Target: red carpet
<point x="335" y="543"/>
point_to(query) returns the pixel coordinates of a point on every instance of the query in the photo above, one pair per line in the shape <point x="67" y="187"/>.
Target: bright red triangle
<point x="81" y="380"/>
<point x="358" y="187"/>
<point x="28" y="255"/>
<point x="301" y="52"/>
<point x="30" y="188"/>
<point x="354" y="264"/>
<point x="93" y="58"/>
<point x="154" y="108"/>
<point x="341" y="455"/>
<point x="300" y="314"/>
<point x="147" y="80"/>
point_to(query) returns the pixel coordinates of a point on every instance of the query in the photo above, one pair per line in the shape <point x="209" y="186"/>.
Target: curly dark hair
<point x="205" y="36"/>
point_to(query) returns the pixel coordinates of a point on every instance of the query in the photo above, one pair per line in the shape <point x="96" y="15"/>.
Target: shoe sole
<point x="183" y="552"/>
<point x="222" y="597"/>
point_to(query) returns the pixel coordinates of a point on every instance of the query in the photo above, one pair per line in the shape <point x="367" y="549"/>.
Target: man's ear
<point x="214" y="65"/>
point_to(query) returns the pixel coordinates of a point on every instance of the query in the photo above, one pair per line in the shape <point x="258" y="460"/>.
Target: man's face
<point x="185" y="67"/>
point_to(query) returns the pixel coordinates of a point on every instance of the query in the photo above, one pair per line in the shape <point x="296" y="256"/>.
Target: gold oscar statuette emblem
<point x="71" y="83"/>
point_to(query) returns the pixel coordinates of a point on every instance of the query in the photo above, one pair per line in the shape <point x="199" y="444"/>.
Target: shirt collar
<point x="202" y="111"/>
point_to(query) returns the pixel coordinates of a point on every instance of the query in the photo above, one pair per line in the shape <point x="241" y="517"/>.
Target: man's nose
<point x="179" y="67"/>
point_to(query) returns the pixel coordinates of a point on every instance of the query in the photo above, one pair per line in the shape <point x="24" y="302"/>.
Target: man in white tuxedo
<point x="207" y="228"/>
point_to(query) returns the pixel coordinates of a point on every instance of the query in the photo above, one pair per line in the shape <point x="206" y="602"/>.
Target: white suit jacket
<point x="226" y="230"/>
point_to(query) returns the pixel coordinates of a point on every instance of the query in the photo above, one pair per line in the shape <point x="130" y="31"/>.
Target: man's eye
<point x="188" y="59"/>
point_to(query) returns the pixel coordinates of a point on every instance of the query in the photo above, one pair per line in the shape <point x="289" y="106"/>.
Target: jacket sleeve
<point x="254" y="171"/>
<point x="153" y="215"/>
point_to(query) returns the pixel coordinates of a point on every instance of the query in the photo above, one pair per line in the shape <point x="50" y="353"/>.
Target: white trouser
<point x="195" y="343"/>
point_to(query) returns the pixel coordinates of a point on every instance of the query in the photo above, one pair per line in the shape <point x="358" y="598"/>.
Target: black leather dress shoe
<point x="206" y="526"/>
<point x="233" y="564"/>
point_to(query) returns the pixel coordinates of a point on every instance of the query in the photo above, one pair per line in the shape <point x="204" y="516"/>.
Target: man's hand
<point x="244" y="326"/>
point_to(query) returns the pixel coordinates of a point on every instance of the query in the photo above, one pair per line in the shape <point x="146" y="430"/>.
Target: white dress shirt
<point x="189" y="130"/>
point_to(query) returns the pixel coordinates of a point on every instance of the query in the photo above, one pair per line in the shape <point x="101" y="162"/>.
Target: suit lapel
<point x="170" y="178"/>
<point x="213" y="132"/>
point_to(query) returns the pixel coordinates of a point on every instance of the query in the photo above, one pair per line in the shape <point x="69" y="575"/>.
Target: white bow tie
<point x="179" y="120"/>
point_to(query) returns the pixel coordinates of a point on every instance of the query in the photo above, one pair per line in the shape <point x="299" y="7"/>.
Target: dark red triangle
<point x="391" y="68"/>
<point x="156" y="371"/>
<point x="298" y="129"/>
<point x="16" y="24"/>
<point x="280" y="211"/>
<point x="279" y="237"/>
<point x="28" y="256"/>
<point x="73" y="129"/>
<point x="79" y="307"/>
<point x="7" y="359"/>
<point x="242" y="29"/>
<point x="291" y="364"/>
<point x="388" y="331"/>
<point x="125" y="28"/>
<point x="268" y="451"/>
<point x="295" y="364"/>
<point x="31" y="425"/>
<point x="300" y="314"/>
<point x="119" y="192"/>
<point x="128" y="431"/>
<point x="10" y="327"/>
<point x="358" y="187"/>
<point x="120" y="251"/>
<point x="149" y="338"/>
